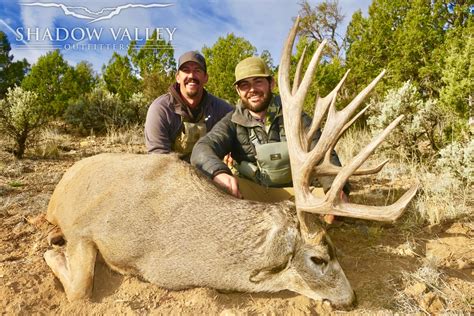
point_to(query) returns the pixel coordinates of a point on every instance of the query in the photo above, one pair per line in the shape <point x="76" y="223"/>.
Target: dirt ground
<point x="391" y="268"/>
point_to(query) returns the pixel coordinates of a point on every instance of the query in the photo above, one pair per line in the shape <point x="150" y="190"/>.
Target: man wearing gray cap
<point x="177" y="119"/>
<point x="252" y="129"/>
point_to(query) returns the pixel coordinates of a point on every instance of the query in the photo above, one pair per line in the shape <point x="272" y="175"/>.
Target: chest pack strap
<point x="189" y="135"/>
<point x="253" y="137"/>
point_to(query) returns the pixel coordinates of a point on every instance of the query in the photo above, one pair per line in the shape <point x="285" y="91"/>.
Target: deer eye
<point x="319" y="261"/>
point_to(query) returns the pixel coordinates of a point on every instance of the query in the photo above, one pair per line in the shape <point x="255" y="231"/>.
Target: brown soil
<point x="382" y="262"/>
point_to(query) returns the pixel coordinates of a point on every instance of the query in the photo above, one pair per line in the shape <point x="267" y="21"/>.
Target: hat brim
<point x="252" y="76"/>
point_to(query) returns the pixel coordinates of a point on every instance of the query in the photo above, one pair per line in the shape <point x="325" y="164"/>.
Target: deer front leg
<point x="75" y="270"/>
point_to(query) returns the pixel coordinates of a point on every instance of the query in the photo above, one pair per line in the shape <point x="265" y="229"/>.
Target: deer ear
<point x="266" y="273"/>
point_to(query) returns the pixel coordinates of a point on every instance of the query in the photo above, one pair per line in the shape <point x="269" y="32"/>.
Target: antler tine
<point x="303" y="163"/>
<point x="377" y="213"/>
<point x="327" y="157"/>
<point x="297" y="98"/>
<point x="332" y="205"/>
<point x="336" y="121"/>
<point x="328" y="169"/>
<point x="292" y="106"/>
<point x="284" y="71"/>
<point x="321" y="108"/>
<point x="297" y="80"/>
<point x="351" y="122"/>
<point x="302" y="91"/>
<point x="358" y="160"/>
<point x="352" y="107"/>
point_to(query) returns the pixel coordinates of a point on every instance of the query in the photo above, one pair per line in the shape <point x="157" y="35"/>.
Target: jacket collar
<point x="242" y="116"/>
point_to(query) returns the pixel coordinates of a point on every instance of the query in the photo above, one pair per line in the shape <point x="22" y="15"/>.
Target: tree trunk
<point x="21" y="142"/>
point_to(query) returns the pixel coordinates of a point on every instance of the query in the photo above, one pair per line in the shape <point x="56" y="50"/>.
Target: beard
<point x="257" y="108"/>
<point x="192" y="93"/>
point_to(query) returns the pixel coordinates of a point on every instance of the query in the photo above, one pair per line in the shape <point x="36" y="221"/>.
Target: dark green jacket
<point x="232" y="135"/>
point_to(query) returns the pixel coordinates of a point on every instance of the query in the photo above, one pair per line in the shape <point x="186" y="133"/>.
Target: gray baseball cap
<point x="192" y="56"/>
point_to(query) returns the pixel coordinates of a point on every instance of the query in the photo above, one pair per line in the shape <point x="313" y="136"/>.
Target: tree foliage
<point x="416" y="38"/>
<point x="20" y="115"/>
<point x="155" y="84"/>
<point x="455" y="13"/>
<point x="11" y="73"/>
<point x="84" y="78"/>
<point x="321" y="22"/>
<point x="56" y="82"/>
<point x="407" y="38"/>
<point x="267" y="57"/>
<point x="458" y="71"/>
<point x="156" y="55"/>
<point x="371" y="41"/>
<point x="149" y="68"/>
<point x="119" y="77"/>
<point x="221" y="60"/>
<point x="428" y="43"/>
<point x="154" y="64"/>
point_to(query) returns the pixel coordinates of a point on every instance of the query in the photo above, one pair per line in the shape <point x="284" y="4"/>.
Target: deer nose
<point x="348" y="304"/>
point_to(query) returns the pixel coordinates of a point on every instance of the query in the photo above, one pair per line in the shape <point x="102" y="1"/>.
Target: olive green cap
<point x="251" y="67"/>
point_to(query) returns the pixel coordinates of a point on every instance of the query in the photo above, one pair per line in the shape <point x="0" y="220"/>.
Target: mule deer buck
<point x="158" y="217"/>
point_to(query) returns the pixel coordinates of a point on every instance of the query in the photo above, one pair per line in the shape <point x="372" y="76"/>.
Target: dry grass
<point x="351" y="143"/>
<point x="442" y="196"/>
<point x="132" y="135"/>
<point x="51" y="142"/>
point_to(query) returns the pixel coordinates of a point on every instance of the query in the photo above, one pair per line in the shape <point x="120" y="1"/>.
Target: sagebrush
<point x="20" y="116"/>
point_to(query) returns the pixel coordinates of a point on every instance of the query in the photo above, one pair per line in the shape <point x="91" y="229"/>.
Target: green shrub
<point x="458" y="159"/>
<point x="101" y="109"/>
<point x="136" y="108"/>
<point x="419" y="133"/>
<point x="20" y="115"/>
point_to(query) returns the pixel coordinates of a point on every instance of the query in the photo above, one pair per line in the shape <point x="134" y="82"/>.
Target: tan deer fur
<point x="157" y="217"/>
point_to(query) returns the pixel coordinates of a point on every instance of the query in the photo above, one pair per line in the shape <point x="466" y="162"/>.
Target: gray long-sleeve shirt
<point x="165" y="116"/>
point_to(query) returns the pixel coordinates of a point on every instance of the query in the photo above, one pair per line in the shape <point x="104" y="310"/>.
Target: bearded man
<point x="177" y="119"/>
<point x="254" y="129"/>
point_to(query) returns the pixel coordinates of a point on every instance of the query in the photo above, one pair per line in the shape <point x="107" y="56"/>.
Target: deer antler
<point x="306" y="163"/>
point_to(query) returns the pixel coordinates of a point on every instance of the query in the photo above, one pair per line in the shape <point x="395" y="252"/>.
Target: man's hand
<point x="329" y="218"/>
<point x="229" y="183"/>
<point x="228" y="160"/>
